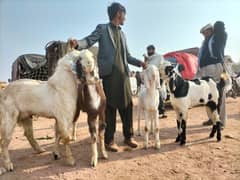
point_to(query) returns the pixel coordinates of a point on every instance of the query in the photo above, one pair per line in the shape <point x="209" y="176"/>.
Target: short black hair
<point x="114" y="8"/>
<point x="151" y="47"/>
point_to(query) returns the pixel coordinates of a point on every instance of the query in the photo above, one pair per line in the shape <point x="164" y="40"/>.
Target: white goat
<point x="185" y="94"/>
<point x="148" y="102"/>
<point x="55" y="98"/>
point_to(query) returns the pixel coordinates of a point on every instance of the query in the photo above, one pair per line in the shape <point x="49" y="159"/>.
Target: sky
<point x="27" y="25"/>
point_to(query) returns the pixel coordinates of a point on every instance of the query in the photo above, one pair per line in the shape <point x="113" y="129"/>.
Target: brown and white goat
<point x="92" y="100"/>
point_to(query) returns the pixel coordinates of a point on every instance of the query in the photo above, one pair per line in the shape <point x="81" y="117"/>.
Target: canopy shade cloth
<point x="189" y="61"/>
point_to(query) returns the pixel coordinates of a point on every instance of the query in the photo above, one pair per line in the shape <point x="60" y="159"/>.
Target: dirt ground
<point x="201" y="158"/>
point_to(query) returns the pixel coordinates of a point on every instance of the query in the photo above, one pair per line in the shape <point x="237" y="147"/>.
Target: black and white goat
<point x="185" y="94"/>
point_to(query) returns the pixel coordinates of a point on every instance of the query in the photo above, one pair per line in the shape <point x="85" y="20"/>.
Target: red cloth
<point x="189" y="61"/>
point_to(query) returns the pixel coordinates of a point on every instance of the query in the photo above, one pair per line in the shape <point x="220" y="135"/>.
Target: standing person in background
<point x="211" y="61"/>
<point x="153" y="58"/>
<point x="113" y="58"/>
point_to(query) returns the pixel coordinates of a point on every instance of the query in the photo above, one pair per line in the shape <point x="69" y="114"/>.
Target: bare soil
<point x="201" y="158"/>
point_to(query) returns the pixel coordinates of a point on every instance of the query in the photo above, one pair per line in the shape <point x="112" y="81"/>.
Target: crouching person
<point x="113" y="58"/>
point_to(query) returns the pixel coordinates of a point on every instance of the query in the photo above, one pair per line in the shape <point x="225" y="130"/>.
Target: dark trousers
<point x="127" y="124"/>
<point x="161" y="106"/>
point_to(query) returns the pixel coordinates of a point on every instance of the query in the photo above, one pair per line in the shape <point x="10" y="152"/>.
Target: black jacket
<point x="212" y="50"/>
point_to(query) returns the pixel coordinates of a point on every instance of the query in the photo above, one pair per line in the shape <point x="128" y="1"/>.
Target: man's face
<point x="150" y="52"/>
<point x="207" y="33"/>
<point x="121" y="17"/>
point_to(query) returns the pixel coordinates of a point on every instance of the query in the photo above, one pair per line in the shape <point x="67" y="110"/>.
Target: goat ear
<point x="168" y="70"/>
<point x="180" y="67"/>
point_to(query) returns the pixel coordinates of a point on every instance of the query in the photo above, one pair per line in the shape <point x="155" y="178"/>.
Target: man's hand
<point x="73" y="43"/>
<point x="144" y="65"/>
<point x="145" y="58"/>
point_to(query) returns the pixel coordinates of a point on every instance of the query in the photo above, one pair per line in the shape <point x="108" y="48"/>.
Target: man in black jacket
<point x="211" y="61"/>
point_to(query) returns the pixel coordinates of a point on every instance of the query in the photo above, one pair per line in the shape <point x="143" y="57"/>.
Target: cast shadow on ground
<point x="82" y="153"/>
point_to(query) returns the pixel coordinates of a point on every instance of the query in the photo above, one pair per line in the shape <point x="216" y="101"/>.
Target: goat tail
<point x="225" y="80"/>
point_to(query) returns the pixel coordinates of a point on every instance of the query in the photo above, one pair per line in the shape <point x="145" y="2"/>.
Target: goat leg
<point x="156" y="125"/>
<point x="6" y="135"/>
<point x="74" y="131"/>
<point x="8" y="165"/>
<point x="151" y="121"/>
<point x="219" y="131"/>
<point x="101" y="128"/>
<point x="178" y="138"/>
<point x="5" y="141"/>
<point x="139" y="118"/>
<point x="69" y="157"/>
<point x="64" y="135"/>
<point x="28" y="132"/>
<point x="56" y="152"/>
<point x="92" y="130"/>
<point x="183" y="134"/>
<point x="147" y="127"/>
<point x="214" y="129"/>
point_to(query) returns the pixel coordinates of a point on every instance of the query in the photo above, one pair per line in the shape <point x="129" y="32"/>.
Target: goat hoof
<point x="94" y="162"/>
<point x="211" y="135"/>
<point x="71" y="161"/>
<point x="2" y="170"/>
<point x="56" y="156"/>
<point x="158" y="146"/>
<point x="177" y="139"/>
<point x="219" y="139"/>
<point x="74" y="139"/>
<point x="9" y="167"/>
<point x="145" y="146"/>
<point x="105" y="155"/>
<point x="182" y="143"/>
<point x="40" y="150"/>
<point x="93" y="165"/>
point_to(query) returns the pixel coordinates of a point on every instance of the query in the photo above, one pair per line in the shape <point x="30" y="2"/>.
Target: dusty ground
<point x="201" y="158"/>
